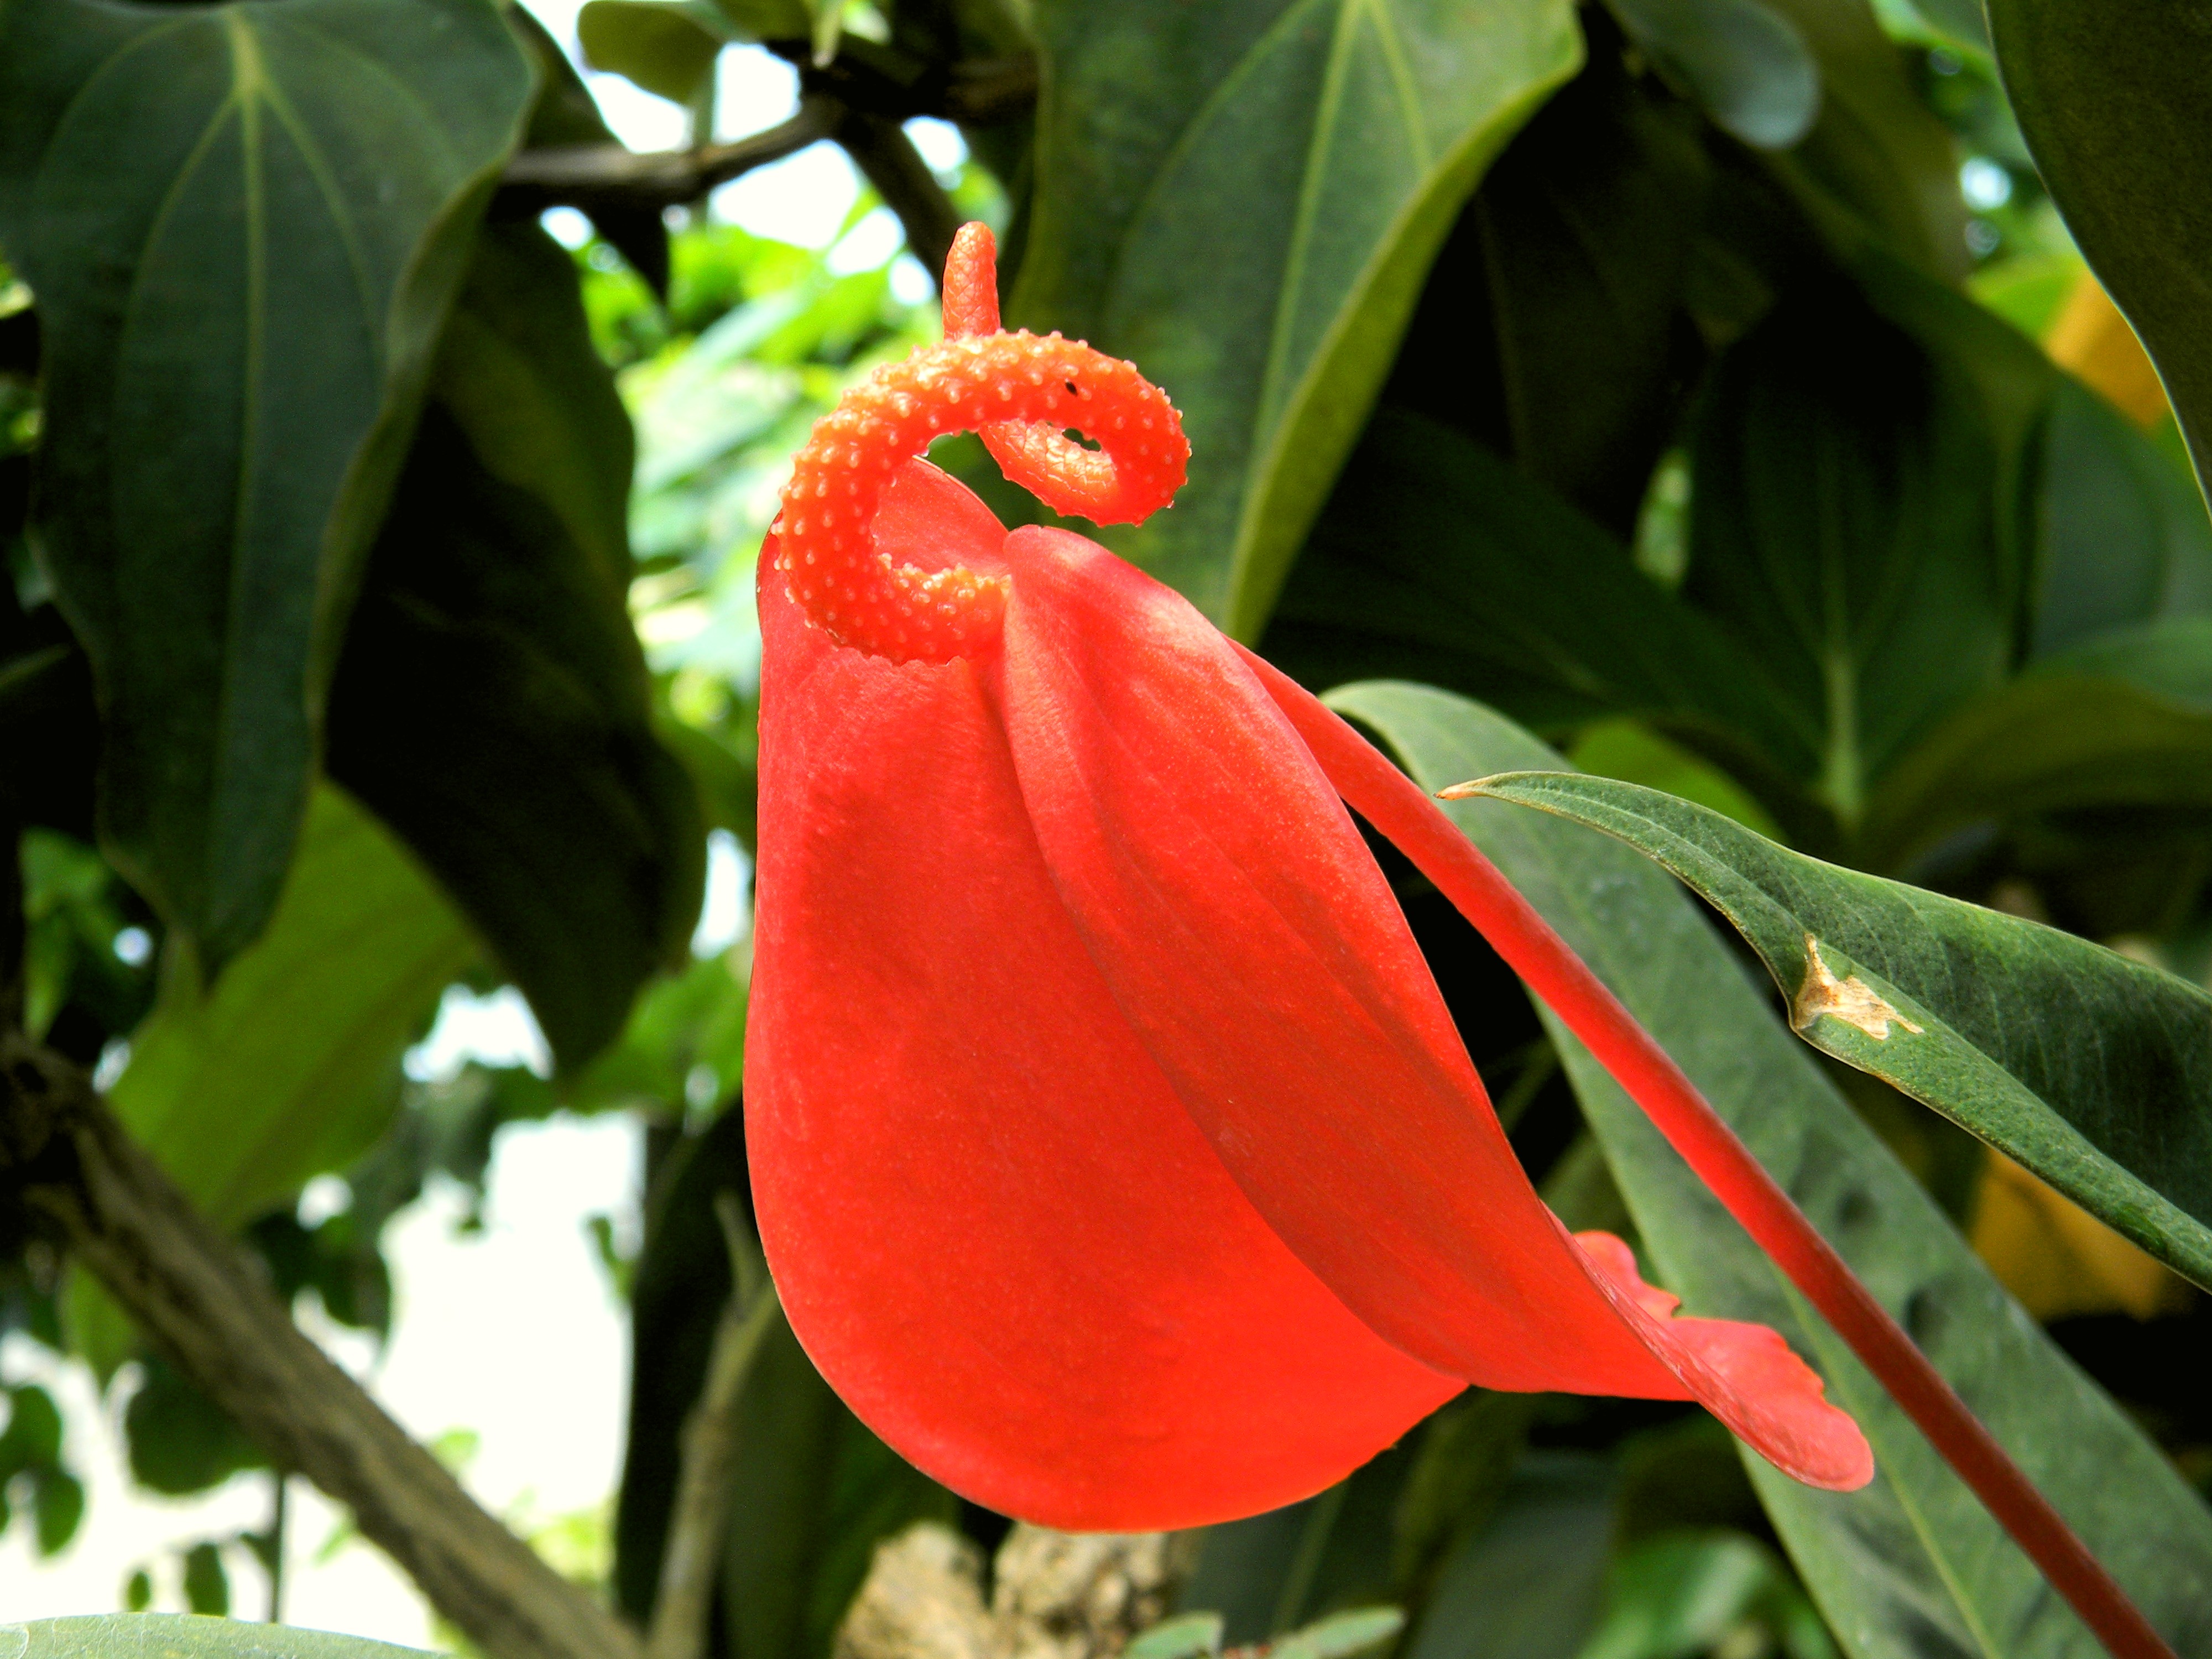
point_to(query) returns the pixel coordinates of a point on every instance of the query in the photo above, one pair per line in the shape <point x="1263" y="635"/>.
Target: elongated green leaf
<point x="2122" y="720"/>
<point x="1436" y="557"/>
<point x="492" y="706"/>
<point x="181" y="1636"/>
<point x="2093" y="1070"/>
<point x="1243" y="197"/>
<point x="1911" y="1565"/>
<point x="290" y="1065"/>
<point x="2126" y="539"/>
<point x="237" y="326"/>
<point x="1748" y="64"/>
<point x="2110" y="98"/>
<point x="1844" y="531"/>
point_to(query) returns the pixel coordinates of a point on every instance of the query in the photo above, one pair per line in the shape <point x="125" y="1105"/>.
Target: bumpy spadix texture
<point x="1115" y="1153"/>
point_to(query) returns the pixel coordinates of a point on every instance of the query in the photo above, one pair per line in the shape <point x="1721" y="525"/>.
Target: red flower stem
<point x="1397" y="807"/>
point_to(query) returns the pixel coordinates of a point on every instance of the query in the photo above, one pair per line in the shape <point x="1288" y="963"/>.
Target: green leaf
<point x="180" y="1443"/>
<point x="666" y="47"/>
<point x="2121" y="720"/>
<point x="290" y="1065"/>
<point x="1437" y="558"/>
<point x="769" y="19"/>
<point x="2093" y="1070"/>
<point x="492" y="706"/>
<point x="2124" y="538"/>
<point x="1526" y="1586"/>
<point x="180" y="1636"/>
<point x="566" y="113"/>
<point x="207" y="1586"/>
<point x="1183" y="1637"/>
<point x="1341" y="1635"/>
<point x="1686" y="1592"/>
<point x="1877" y="164"/>
<point x="2110" y="98"/>
<point x="1844" y="529"/>
<point x="1551" y="326"/>
<point x="237" y="328"/>
<point x="1747" y="63"/>
<point x="685" y="1044"/>
<point x="1347" y="133"/>
<point x="1911" y="1565"/>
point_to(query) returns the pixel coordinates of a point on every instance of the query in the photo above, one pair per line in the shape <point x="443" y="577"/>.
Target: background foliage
<point x="1698" y="409"/>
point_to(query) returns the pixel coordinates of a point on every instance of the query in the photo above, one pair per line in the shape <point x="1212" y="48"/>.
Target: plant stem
<point x="1398" y="808"/>
<point x="697" y="1519"/>
<point x="72" y="1168"/>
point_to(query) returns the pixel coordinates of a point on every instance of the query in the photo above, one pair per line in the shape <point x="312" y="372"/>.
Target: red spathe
<point x="1116" y="1158"/>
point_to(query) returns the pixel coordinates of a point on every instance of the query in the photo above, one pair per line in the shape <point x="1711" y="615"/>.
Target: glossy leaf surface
<point x="551" y="814"/>
<point x="1911" y="1565"/>
<point x="236" y="327"/>
<point x="1348" y="134"/>
<point x="2093" y="1070"/>
<point x="2110" y="98"/>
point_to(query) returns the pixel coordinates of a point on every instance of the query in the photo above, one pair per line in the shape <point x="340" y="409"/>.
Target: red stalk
<point x="1398" y="808"/>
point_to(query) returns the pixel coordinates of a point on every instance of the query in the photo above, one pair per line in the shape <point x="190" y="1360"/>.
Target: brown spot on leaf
<point x="1851" y="1001"/>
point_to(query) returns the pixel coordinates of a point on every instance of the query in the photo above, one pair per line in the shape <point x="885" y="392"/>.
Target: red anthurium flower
<point x="1115" y="1156"/>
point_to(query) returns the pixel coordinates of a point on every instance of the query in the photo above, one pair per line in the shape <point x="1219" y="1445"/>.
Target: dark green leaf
<point x="176" y="1635"/>
<point x="1436" y="558"/>
<point x="769" y="19"/>
<point x="180" y="1442"/>
<point x="2092" y="1070"/>
<point x="2111" y="98"/>
<point x="59" y="1497"/>
<point x="1844" y="529"/>
<point x="2122" y="720"/>
<point x="566" y="113"/>
<point x="237" y="327"/>
<point x="1550" y="324"/>
<point x="2126" y="539"/>
<point x="685" y="1044"/>
<point x="492" y="706"/>
<point x="1911" y="1566"/>
<point x="1877" y="162"/>
<point x="1526" y="1586"/>
<point x="666" y="47"/>
<point x="1748" y="64"/>
<point x="1271" y="1573"/>
<point x="1347" y="137"/>
<point x="207" y="1585"/>
<point x="49" y="723"/>
<point x="33" y="1439"/>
